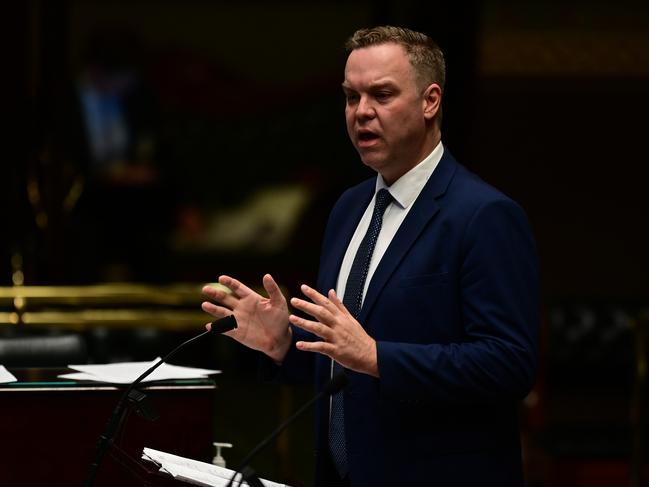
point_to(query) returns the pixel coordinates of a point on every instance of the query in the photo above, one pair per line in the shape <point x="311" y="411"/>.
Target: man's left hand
<point x="343" y="337"/>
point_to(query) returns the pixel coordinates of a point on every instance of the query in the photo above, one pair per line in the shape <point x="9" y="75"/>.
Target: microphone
<point x="217" y="327"/>
<point x="105" y="440"/>
<point x="334" y="385"/>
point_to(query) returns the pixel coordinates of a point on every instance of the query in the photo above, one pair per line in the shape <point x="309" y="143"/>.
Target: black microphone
<point x="105" y="440"/>
<point x="334" y="385"/>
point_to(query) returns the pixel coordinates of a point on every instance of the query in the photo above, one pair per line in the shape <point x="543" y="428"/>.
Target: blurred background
<point x="167" y="142"/>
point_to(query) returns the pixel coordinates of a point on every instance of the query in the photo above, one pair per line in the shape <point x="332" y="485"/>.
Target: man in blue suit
<point x="427" y="295"/>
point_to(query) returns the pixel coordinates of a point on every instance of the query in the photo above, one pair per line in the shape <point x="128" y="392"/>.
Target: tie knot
<point x="383" y="199"/>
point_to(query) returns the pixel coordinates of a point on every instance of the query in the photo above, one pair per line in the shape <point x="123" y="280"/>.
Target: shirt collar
<point x="406" y="189"/>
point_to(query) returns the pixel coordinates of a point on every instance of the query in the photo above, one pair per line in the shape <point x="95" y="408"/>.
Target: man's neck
<point x="433" y="139"/>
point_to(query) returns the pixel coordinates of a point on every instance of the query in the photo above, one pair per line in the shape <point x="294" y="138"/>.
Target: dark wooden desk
<point x="49" y="428"/>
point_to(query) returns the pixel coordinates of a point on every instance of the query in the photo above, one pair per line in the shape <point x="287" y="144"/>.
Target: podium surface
<point x="49" y="429"/>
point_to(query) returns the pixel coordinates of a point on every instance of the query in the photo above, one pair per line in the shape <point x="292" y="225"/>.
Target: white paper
<point x="6" y="376"/>
<point x="192" y="471"/>
<point x="127" y="372"/>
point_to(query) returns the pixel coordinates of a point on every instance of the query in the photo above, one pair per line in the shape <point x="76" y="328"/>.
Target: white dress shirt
<point x="404" y="192"/>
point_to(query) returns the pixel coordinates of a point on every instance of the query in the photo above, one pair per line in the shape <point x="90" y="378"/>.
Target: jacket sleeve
<point x="297" y="367"/>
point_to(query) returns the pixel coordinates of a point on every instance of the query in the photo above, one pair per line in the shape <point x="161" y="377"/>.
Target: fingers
<point x="321" y="307"/>
<point x="327" y="314"/>
<point x="318" y="312"/>
<point x="219" y="292"/>
<point x="314" y="295"/>
<point x="237" y="287"/>
<point x="228" y="291"/>
<point x="215" y="310"/>
<point x="314" y="327"/>
<point x="337" y="302"/>
<point x="319" y="347"/>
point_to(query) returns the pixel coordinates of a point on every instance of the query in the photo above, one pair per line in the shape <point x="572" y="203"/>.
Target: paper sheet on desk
<point x="6" y="376"/>
<point x="127" y="372"/>
<point x="194" y="472"/>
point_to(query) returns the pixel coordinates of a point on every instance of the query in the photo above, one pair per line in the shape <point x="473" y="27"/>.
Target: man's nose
<point x="365" y="108"/>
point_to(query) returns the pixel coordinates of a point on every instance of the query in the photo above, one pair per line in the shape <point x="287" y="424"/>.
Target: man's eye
<point x="383" y="95"/>
<point x="351" y="98"/>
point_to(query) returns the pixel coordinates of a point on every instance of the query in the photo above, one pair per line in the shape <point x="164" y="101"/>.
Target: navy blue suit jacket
<point x="453" y="306"/>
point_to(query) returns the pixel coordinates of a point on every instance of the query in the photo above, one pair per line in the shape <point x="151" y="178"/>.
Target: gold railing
<point x="120" y="305"/>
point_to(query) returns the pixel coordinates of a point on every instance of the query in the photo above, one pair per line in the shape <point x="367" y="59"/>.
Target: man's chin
<point x="372" y="164"/>
<point x="372" y="159"/>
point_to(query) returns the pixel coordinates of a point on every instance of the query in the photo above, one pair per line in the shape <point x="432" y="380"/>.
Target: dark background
<point x="545" y="100"/>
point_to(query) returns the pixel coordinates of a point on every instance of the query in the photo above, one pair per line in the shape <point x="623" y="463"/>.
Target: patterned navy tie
<point x="352" y="300"/>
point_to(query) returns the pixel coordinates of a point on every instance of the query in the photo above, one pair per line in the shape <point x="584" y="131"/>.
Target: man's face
<point x="385" y="110"/>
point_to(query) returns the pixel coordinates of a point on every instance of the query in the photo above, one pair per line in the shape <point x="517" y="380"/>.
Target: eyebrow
<point x="373" y="86"/>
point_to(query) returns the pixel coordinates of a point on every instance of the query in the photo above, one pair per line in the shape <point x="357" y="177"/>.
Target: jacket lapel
<point x="424" y="209"/>
<point x="333" y="258"/>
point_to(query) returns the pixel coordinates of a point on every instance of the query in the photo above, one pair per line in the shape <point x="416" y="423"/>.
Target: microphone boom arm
<point x="105" y="440"/>
<point x="331" y="387"/>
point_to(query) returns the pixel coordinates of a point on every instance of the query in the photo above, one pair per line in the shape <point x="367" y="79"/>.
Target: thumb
<point x="273" y="290"/>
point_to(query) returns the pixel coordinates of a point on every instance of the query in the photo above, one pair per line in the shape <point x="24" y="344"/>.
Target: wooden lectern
<point x="49" y="429"/>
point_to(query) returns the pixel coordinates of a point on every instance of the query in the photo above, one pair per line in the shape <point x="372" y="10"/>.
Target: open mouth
<point x="366" y="137"/>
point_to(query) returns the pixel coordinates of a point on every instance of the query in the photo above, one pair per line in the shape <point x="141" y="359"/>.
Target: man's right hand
<point x="262" y="323"/>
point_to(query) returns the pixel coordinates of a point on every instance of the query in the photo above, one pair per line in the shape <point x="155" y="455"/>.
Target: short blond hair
<point x="424" y="54"/>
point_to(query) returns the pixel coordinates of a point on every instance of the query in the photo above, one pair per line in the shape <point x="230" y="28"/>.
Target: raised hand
<point x="262" y="322"/>
<point x="343" y="337"/>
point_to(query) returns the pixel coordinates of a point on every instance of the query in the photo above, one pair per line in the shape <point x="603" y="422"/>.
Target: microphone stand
<point x="106" y="439"/>
<point x="247" y="473"/>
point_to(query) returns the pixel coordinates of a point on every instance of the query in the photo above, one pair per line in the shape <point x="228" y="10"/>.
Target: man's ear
<point x="432" y="101"/>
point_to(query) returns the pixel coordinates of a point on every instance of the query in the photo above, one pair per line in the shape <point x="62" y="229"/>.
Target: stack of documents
<point x="6" y="376"/>
<point x="194" y="472"/>
<point x="127" y="372"/>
